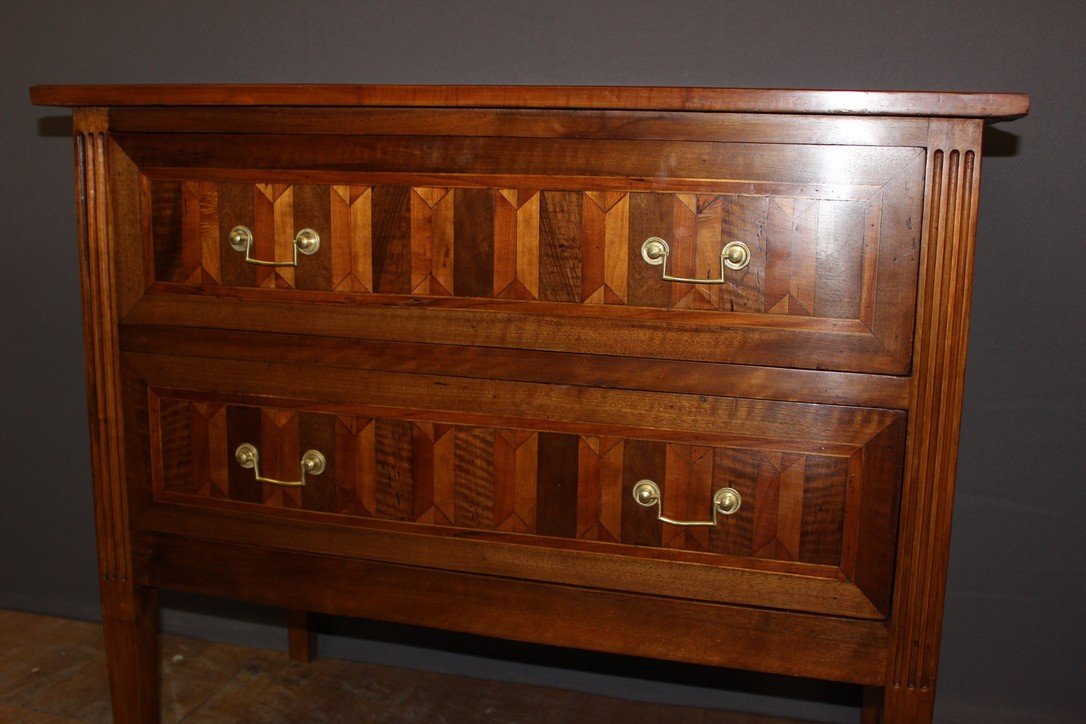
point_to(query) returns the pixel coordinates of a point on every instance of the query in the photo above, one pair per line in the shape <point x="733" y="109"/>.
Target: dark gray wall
<point x="1012" y="644"/>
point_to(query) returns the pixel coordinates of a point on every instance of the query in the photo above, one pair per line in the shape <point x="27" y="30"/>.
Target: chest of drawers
<point x="665" y="372"/>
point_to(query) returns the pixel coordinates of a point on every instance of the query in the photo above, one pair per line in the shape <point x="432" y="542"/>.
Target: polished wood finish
<point x="802" y="166"/>
<point x="520" y="122"/>
<point x="813" y="259"/>
<point x="756" y="100"/>
<point x="759" y="639"/>
<point x="696" y="378"/>
<point x="526" y="265"/>
<point x="759" y="340"/>
<point x="488" y="365"/>
<point x="807" y="508"/>
<point x="128" y="609"/>
<point x="928" y="492"/>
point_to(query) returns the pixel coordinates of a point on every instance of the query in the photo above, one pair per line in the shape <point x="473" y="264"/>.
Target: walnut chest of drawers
<point x="667" y="372"/>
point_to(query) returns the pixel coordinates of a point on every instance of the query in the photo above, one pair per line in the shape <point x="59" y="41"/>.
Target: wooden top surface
<point x="746" y="100"/>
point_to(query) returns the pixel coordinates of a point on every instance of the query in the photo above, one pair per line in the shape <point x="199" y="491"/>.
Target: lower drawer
<point x="798" y="510"/>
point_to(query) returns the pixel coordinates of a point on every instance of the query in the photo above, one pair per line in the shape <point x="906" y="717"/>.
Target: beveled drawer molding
<point x="838" y="265"/>
<point x="464" y="357"/>
<point x="802" y="502"/>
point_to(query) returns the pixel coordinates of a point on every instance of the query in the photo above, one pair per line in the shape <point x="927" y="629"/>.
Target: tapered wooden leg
<point x="130" y="621"/>
<point x="129" y="612"/>
<point x="927" y="492"/>
<point x="301" y="636"/>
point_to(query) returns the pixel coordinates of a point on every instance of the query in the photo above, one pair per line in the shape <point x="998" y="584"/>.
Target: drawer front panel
<point x="809" y="257"/>
<point x="819" y="506"/>
<point x="547" y="232"/>
<point x="518" y="481"/>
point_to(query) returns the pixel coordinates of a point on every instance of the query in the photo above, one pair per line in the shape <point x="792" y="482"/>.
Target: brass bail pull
<point x="312" y="463"/>
<point x="305" y="242"/>
<point x="726" y="501"/>
<point x="735" y="255"/>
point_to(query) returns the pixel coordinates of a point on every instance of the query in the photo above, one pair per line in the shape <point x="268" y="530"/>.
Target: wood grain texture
<point x="183" y="239"/>
<point x="789" y="385"/>
<point x="186" y="448"/>
<point x="128" y="610"/>
<point x="390" y="240"/>
<point x="140" y="413"/>
<point x="762" y="340"/>
<point x="554" y="484"/>
<point x="312" y="210"/>
<point x="234" y="206"/>
<point x="473" y="258"/>
<point x="392" y="467"/>
<point x="242" y="427"/>
<point x="815" y="259"/>
<point x="928" y="492"/>
<point x="560" y="246"/>
<point x="133" y="264"/>
<point x="815" y="252"/>
<point x="592" y="562"/>
<point x="520" y="122"/>
<point x="761" y="100"/>
<point x="318" y="432"/>
<point x="812" y="169"/>
<point x="789" y="426"/>
<point x="761" y="640"/>
<point x="641" y="459"/>
<point x="166" y="219"/>
<point x="488" y="365"/>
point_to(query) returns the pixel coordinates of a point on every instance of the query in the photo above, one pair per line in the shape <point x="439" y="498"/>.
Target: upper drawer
<point x="540" y="243"/>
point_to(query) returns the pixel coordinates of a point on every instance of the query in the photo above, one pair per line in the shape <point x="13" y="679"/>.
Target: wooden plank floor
<point x="54" y="670"/>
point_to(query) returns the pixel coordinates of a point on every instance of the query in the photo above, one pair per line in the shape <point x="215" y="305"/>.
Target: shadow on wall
<point x="997" y="142"/>
<point x="55" y="126"/>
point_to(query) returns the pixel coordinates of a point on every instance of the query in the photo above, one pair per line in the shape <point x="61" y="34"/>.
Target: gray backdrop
<point x="1012" y="644"/>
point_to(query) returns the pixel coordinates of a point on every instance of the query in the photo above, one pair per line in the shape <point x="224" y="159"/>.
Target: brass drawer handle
<point x="726" y="501"/>
<point x="735" y="255"/>
<point x="306" y="242"/>
<point x="312" y="463"/>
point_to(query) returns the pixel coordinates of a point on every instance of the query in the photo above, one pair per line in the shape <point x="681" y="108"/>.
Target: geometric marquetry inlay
<point x="488" y="365"/>
<point x="810" y="257"/>
<point x="795" y="506"/>
<point x="832" y="268"/>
